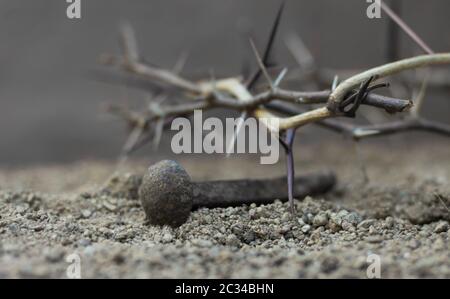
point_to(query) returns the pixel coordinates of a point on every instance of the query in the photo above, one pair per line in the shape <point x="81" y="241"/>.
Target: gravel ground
<point x="401" y="215"/>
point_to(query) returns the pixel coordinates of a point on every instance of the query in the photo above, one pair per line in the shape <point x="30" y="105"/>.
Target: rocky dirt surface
<point x="48" y="214"/>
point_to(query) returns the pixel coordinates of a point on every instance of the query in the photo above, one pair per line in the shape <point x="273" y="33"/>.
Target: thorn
<point x="230" y="147"/>
<point x="262" y="67"/>
<point x="132" y="140"/>
<point x="280" y="77"/>
<point x="335" y="83"/>
<point x="420" y="96"/>
<point x="269" y="46"/>
<point x="408" y="30"/>
<point x="142" y="142"/>
<point x="273" y="32"/>
<point x="362" y="166"/>
<point x="158" y="133"/>
<point x="300" y="52"/>
<point x="213" y="80"/>
<point x="290" y="168"/>
<point x="440" y="197"/>
<point x="360" y="133"/>
<point x="128" y="42"/>
<point x="161" y="98"/>
<point x="181" y="62"/>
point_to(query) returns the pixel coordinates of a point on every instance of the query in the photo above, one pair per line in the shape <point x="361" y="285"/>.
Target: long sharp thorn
<point x="408" y="30"/>
<point x="359" y="157"/>
<point x="269" y="46"/>
<point x="142" y="142"/>
<point x="181" y="62"/>
<point x="230" y="147"/>
<point x="273" y="33"/>
<point x="420" y="96"/>
<point x="335" y="82"/>
<point x="158" y="133"/>
<point x="280" y="77"/>
<point x="261" y="64"/>
<point x="128" y="42"/>
<point x="290" y="135"/>
<point x="302" y="55"/>
<point x="132" y="140"/>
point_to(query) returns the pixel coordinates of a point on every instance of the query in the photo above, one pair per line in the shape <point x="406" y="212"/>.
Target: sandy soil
<point x="402" y="214"/>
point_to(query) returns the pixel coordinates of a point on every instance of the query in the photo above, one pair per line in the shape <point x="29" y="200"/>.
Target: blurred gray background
<point x="49" y="100"/>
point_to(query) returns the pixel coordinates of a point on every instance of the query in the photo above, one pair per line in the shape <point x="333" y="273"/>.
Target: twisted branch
<point x="232" y="93"/>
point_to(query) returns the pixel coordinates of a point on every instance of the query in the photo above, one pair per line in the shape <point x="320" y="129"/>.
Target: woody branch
<point x="231" y="92"/>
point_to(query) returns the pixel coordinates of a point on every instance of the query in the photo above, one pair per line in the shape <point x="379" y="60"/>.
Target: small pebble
<point x="167" y="238"/>
<point x="86" y="214"/>
<point x="374" y="239"/>
<point x="367" y="223"/>
<point x="54" y="255"/>
<point x="320" y="219"/>
<point x="353" y="218"/>
<point x="347" y="226"/>
<point x="306" y="228"/>
<point x="232" y="240"/>
<point x="84" y="242"/>
<point x="441" y="227"/>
